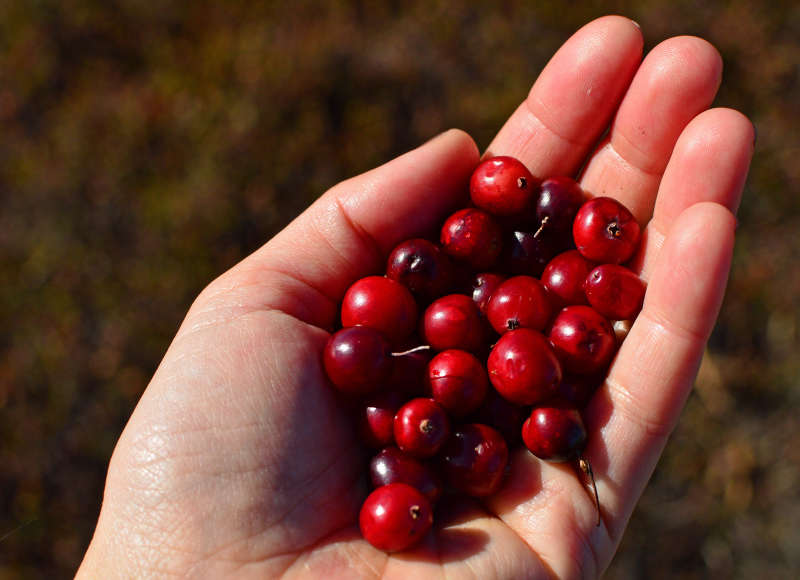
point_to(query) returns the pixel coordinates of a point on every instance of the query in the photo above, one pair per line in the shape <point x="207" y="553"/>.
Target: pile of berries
<point x="523" y="304"/>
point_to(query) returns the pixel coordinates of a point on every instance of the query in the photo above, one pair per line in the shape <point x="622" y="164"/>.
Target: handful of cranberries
<point x="523" y="304"/>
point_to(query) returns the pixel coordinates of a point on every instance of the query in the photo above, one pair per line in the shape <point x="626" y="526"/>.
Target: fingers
<point x="573" y="99"/>
<point x="632" y="416"/>
<point x="677" y="80"/>
<point x="709" y="163"/>
<point x="347" y="233"/>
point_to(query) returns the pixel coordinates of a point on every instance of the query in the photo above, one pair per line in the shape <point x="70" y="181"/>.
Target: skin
<point x="238" y="460"/>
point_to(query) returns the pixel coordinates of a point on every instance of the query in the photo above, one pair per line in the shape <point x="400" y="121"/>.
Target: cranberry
<point x="555" y="433"/>
<point x="483" y="286"/>
<point x="376" y="418"/>
<point x="457" y="381"/>
<point x="421" y="267"/>
<point x="528" y="253"/>
<point x="502" y="415"/>
<point x="583" y="340"/>
<point x="605" y="231"/>
<point x="503" y="186"/>
<point x="410" y="369"/>
<point x="393" y="466"/>
<point x="357" y="360"/>
<point x="472" y="236"/>
<point x="421" y="427"/>
<point x="474" y="460"/>
<point x="382" y="304"/>
<point x="523" y="368"/>
<point x="564" y="277"/>
<point x="577" y="390"/>
<point x="453" y="321"/>
<point x="519" y="302"/>
<point x="615" y="291"/>
<point x="559" y="202"/>
<point x="395" y="517"/>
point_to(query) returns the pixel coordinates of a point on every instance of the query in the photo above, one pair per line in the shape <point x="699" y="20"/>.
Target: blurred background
<point x="147" y="147"/>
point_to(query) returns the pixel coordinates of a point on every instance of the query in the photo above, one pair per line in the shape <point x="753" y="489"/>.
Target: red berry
<point x="502" y="415"/>
<point x="421" y="427"/>
<point x="615" y="291"/>
<point x="393" y="466"/>
<point x="523" y="368"/>
<point x="410" y="370"/>
<point x="357" y="360"/>
<point x="382" y="304"/>
<point x="555" y="433"/>
<point x="483" y="286"/>
<point x="421" y="267"/>
<point x="457" y="381"/>
<point x="564" y="277"/>
<point x="577" y="390"/>
<point x="527" y="252"/>
<point x="474" y="460"/>
<point x="503" y="186"/>
<point x="472" y="236"/>
<point x="583" y="340"/>
<point x="376" y="418"/>
<point x="395" y="517"/>
<point x="559" y="201"/>
<point x="605" y="231"/>
<point x="453" y="321"/>
<point x="519" y="302"/>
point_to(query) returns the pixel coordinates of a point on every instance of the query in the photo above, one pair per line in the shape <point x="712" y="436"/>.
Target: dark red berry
<point x="483" y="286"/>
<point x="395" y="517"/>
<point x="474" y="460"/>
<point x="382" y="304"/>
<point x="357" y="360"/>
<point x="519" y="302"/>
<point x="523" y="368"/>
<point x="577" y="390"/>
<point x="528" y="253"/>
<point x="421" y="427"/>
<point x="564" y="277"/>
<point x="503" y="186"/>
<point x="393" y="466"/>
<point x="583" y="340"/>
<point x="421" y="267"/>
<point x="472" y="236"/>
<point x="502" y="415"/>
<point x="410" y="371"/>
<point x="559" y="202"/>
<point x="376" y="418"/>
<point x="615" y="291"/>
<point x="457" y="381"/>
<point x="605" y="231"/>
<point x="453" y="321"/>
<point x="555" y="433"/>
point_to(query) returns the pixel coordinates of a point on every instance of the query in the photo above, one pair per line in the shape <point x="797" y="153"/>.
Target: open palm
<point x="239" y="459"/>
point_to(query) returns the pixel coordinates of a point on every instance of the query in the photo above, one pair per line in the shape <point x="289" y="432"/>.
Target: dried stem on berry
<point x="586" y="468"/>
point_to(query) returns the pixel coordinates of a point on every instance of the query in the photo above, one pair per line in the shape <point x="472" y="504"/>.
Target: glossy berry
<point x="376" y="418"/>
<point x="564" y="276"/>
<point x="519" y="302"/>
<point x="503" y="186"/>
<point x="382" y="304"/>
<point x="357" y="360"/>
<point x="483" y="286"/>
<point x="393" y="466"/>
<point x="502" y="415"/>
<point x="583" y="340"/>
<point x="453" y="321"/>
<point x="457" y="381"/>
<point x="555" y="433"/>
<point x="474" y="460"/>
<point x="559" y="202"/>
<point x="528" y="253"/>
<point x="523" y="368"/>
<point x="394" y="517"/>
<point x="421" y="267"/>
<point x="421" y="427"/>
<point x="473" y="237"/>
<point x="615" y="291"/>
<point x="605" y="231"/>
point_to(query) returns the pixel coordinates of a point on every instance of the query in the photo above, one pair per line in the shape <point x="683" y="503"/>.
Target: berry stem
<point x="586" y="467"/>
<point x="541" y="227"/>
<point x="412" y="350"/>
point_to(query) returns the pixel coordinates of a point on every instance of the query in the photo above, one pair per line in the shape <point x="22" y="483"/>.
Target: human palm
<point x="240" y="459"/>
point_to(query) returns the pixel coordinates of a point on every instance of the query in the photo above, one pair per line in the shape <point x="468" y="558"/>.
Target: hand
<point x="238" y="460"/>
